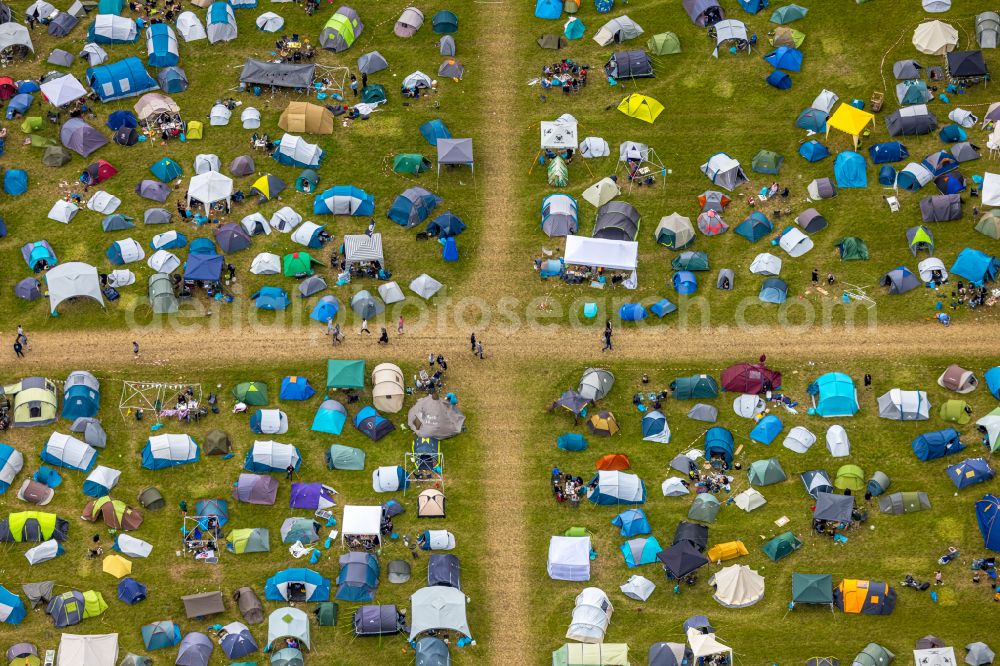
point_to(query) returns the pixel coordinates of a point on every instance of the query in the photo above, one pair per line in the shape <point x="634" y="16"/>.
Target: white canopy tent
<point x="602" y="253"/>
<point x="438" y="607"/>
<point x="87" y="650"/>
<point x="559" y="134"/>
<point x="706" y="645"/>
<point x="74" y="279"/>
<point x="361" y="521"/>
<point x="991" y="189"/>
<point x="209" y="188"/>
<point x="63" y="90"/>
<point x="569" y="558"/>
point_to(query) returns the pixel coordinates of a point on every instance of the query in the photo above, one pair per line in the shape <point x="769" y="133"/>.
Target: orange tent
<point x="613" y="462"/>
<point x="726" y="551"/>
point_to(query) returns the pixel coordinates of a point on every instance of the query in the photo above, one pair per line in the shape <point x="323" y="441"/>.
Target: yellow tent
<point x="195" y="129"/>
<point x="641" y="107"/>
<point x="850" y="120"/>
<point x="730" y="550"/>
<point x="117" y="566"/>
<point x="303" y="117"/>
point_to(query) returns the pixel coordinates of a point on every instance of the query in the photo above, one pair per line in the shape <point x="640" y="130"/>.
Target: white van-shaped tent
<point x="799" y="439"/>
<point x="591" y="616"/>
<point x="837" y="442"/>
<point x="569" y="558"/>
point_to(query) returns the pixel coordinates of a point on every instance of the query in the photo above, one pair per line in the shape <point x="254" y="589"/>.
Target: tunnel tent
<point x="408" y="23"/>
<point x="341" y="30"/>
<point x="902" y="405"/>
<point x="220" y="23"/>
<point x="169" y="450"/>
<point x="911" y="120"/>
<point x="117" y="80"/>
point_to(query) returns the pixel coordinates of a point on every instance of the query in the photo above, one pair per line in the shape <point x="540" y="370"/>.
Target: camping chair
<point x="877" y="99"/>
<point x="893" y="204"/>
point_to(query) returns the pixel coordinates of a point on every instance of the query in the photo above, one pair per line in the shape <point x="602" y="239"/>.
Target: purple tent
<point x="152" y="189"/>
<point x="80" y="137"/>
<point x="203" y="267"/>
<point x="29" y="289"/>
<point x="256" y="489"/>
<point x="311" y="496"/>
<point x="377" y="621"/>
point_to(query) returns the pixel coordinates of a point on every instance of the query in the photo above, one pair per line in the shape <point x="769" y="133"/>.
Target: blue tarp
<point x="125" y="78"/>
<point x="976" y="267"/>
<point x="937" y="444"/>
<point x="850" y="170"/>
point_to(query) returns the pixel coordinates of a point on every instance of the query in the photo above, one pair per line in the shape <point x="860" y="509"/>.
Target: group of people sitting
<point x="973" y="296"/>
<point x="150" y="10"/>
<point x="431" y="380"/>
<point x="565" y="74"/>
<point x="294" y="49"/>
<point x="568" y="488"/>
<point x="713" y="482"/>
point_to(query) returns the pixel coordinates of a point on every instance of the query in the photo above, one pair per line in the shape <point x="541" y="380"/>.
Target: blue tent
<point x="177" y="240"/>
<point x="643" y="550"/>
<point x="131" y="591"/>
<point x="812" y="119"/>
<point x="952" y="134"/>
<point x="619" y="488"/>
<point x="203" y="267"/>
<point x="604" y="6"/>
<point x="316" y="587"/>
<point x="891" y="151"/>
<point x="159" y="635"/>
<point x="28" y="86"/>
<point x="125" y="78"/>
<point x="344" y="200"/>
<point x="548" y="9"/>
<point x="976" y="267"/>
<point x="271" y="298"/>
<point x="632" y="312"/>
<point x="15" y="182"/>
<point x="754" y="6"/>
<point x="755" y="227"/>
<point x="785" y="57"/>
<point x="685" y="282"/>
<point x="202" y="246"/>
<point x="330" y="418"/>
<point x="59" y="458"/>
<point x="80" y="401"/>
<point x="94" y="488"/>
<point x="969" y="472"/>
<point x="887" y="175"/>
<point x="987" y="511"/>
<point x="834" y="395"/>
<point x="120" y="119"/>
<point x="172" y="80"/>
<point x="8" y="452"/>
<point x="937" y="444"/>
<point x="169" y="458"/>
<point x="296" y="387"/>
<point x="912" y="177"/>
<point x="992" y="377"/>
<point x="779" y="80"/>
<point x="433" y="130"/>
<point x="412" y="207"/>
<point x="850" y="170"/>
<point x="111" y="7"/>
<point x="766" y="429"/>
<point x="372" y="424"/>
<point x="166" y="170"/>
<point x="950" y="183"/>
<point x="326" y="308"/>
<point x="632" y="522"/>
<point x="12" y="609"/>
<point x="662" y="307"/>
<point x="19" y="103"/>
<point x="719" y="443"/>
<point x="574" y="29"/>
<point x="37" y="252"/>
<point x="449" y="249"/>
<point x="358" y="577"/>
<point x="774" y="290"/>
<point x="572" y="441"/>
<point x="940" y="163"/>
<point x="161" y="45"/>
<point x="813" y="151"/>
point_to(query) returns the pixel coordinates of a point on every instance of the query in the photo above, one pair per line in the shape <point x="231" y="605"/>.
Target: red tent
<point x="7" y="88"/>
<point x="98" y="172"/>
<point x="750" y="378"/>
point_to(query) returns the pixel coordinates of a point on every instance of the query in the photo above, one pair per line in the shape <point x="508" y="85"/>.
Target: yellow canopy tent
<point x="850" y="120"/>
<point x="730" y="550"/>
<point x="641" y="107"/>
<point x="117" y="566"/>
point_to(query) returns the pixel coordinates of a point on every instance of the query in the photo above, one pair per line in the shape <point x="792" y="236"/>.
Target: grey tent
<point x="408" y="23"/>
<point x="6" y="16"/>
<point x="964" y="151"/>
<point x="231" y="237"/>
<point x="15" y="40"/>
<point x="80" y="137"/>
<point x="203" y="604"/>
<point x="669" y="654"/>
<point x="56" y="156"/>
<point x="911" y="120"/>
<point x="28" y="289"/>
<point x="278" y="75"/>
<point x="550" y="41"/>
<point x="833" y="507"/>
<point x="595" y="383"/>
<point x="311" y="285"/>
<point x="444" y="569"/>
<point x="61" y="58"/>
<point x="821" y="188"/>
<point x="979" y="654"/>
<point x="437" y="608"/>
<point x="988" y="30"/>
<point x="616" y="220"/>
<point x="432" y="651"/>
<point x="172" y="80"/>
<point x="153" y="190"/>
<point x="617" y="30"/>
<point x="899" y="503"/>
<point x="452" y="69"/>
<point x="905" y="70"/>
<point x="920" y="238"/>
<point x="455" y="152"/>
<point x="117" y="222"/>
<point x="40" y="10"/>
<point x="714" y="200"/>
<point x="132" y="659"/>
<point x="810" y="221"/>
<point x="724" y="171"/>
<point x="446" y="45"/>
<point x="816" y="481"/>
<point x="899" y="281"/>
<point x="372" y="62"/>
<point x="683" y="464"/>
<point x="726" y="280"/>
<point x="377" y="621"/>
<point x="703" y="412"/>
<point x="559" y="215"/>
<point x="873" y="655"/>
<point x="399" y="571"/>
<point x="217" y="443"/>
<point x="151" y="498"/>
<point x="38" y="593"/>
<point x="156" y="216"/>
<point x="242" y="166"/>
<point x="878" y="484"/>
<point x="941" y="208"/>
<point x="432" y="416"/>
<point x="62" y="24"/>
<point x="390" y="293"/>
<point x="674" y="231"/>
<point x="331" y="39"/>
<point x="629" y="64"/>
<point x="93" y="432"/>
<point x="94" y="54"/>
<point x="704" y="12"/>
<point x="904" y="405"/>
<point x="195" y="650"/>
<point x="366" y="306"/>
<point x="425" y="286"/>
<point x="249" y="604"/>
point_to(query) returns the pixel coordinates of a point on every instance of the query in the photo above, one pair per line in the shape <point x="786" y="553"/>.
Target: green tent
<point x="410" y="163"/>
<point x="953" y="411"/>
<point x="56" y="156"/>
<point x="326" y="613"/>
<point x="39" y="141"/>
<point x="767" y="161"/>
<point x="665" y="43"/>
<point x="31" y="124"/>
<point x="989" y="224"/>
<point x="345" y="374"/>
<point x="307" y="181"/>
<point x="781" y="546"/>
<point x="690" y="261"/>
<point x="908" y="502"/>
<point x="343" y="457"/>
<point x="704" y="508"/>
<point x="766" y="472"/>
<point x="850" y="476"/>
<point x="577" y="532"/>
<point x="558" y="173"/>
<point x="298" y="264"/>
<point x="785" y="36"/>
<point x="251" y="393"/>
<point x="812" y="588"/>
<point x="852" y="248"/>
<point x="874" y="654"/>
<point x="249" y="540"/>
<point x="698" y="386"/>
<point x="217" y="443"/>
<point x="373" y="93"/>
<point x="788" y="13"/>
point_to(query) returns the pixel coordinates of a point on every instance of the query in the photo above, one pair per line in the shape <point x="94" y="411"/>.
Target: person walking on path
<point x="399" y="326"/>
<point x="354" y="85"/>
<point x="607" y="341"/>
<point x="479" y="349"/>
<point x="329" y="325"/>
<point x="335" y="337"/>
<point x="17" y="349"/>
<point x="22" y="338"/>
<point x="135" y="349"/>
<point x="364" y="327"/>
<point x="472" y="341"/>
<point x="383" y="339"/>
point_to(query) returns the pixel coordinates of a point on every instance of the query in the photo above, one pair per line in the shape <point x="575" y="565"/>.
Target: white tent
<point x="130" y="250"/>
<point x="749" y="499"/>
<point x="106" y="477"/>
<point x="748" y="405"/>
<point x="255" y="223"/>
<point x="304" y="233"/>
<point x="219" y="115"/>
<point x="438" y="608"/>
<point x="131" y="546"/>
<point x="71" y="280"/>
<point x="766" y="264"/>
<point x="440" y="540"/>
<point x="991" y="189"/>
<point x="205" y="162"/>
<point x="728" y="30"/>
<point x="425" y="286"/>
<point x="11" y="467"/>
<point x="900" y="405"/>
<point x="121" y="277"/>
<point x="63" y="90"/>
<point x="361" y="521"/>
<point x="737" y="586"/>
<point x="637" y="587"/>
<point x="210" y="188"/>
<point x="559" y="134"/>
<point x="14" y="34"/>
<point x="928" y="266"/>
<point x="569" y="558"/>
<point x="935" y="38"/>
<point x="591" y="616"/>
<point x="115" y="28"/>
<point x="601" y="253"/>
<point x="43" y="552"/>
<point x="172" y="447"/>
<point x="270" y="22"/>
<point x="164" y="261"/>
<point x="160" y="241"/>
<point x="624" y="487"/>
<point x="795" y="243"/>
<point x="799" y="439"/>
<point x="190" y="27"/>
<point x="266" y="263"/>
<point x="388" y="388"/>
<point x="674" y="487"/>
<point x="63" y="211"/>
<point x="102" y="202"/>
<point x="617" y="30"/>
<point x="250" y="117"/>
<point x="285" y="219"/>
<point x="706" y="645"/>
<point x="935" y="7"/>
<point x="273" y="422"/>
<point x="288" y="622"/>
<point x="298" y="150"/>
<point x="601" y="192"/>
<point x="88" y="650"/>
<point x="989" y="425"/>
<point x="594" y="146"/>
<point x="942" y="656"/>
<point x="963" y="117"/>
<point x="390" y="293"/>
<point x="274" y="455"/>
<point x="386" y="479"/>
<point x="837" y="442"/>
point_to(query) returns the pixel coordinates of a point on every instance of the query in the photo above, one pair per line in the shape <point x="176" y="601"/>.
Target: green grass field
<point x="724" y="105"/>
<point x="359" y="154"/>
<point x="885" y="549"/>
<point x="169" y="576"/>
